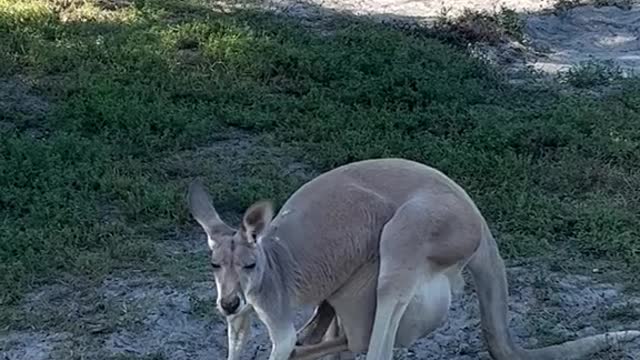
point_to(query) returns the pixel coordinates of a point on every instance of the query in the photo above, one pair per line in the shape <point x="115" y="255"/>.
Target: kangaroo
<point x="378" y="246"/>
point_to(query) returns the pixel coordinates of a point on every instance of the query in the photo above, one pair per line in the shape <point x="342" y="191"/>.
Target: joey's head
<point x="237" y="258"/>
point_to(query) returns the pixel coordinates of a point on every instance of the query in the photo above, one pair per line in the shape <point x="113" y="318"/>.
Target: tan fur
<point x="381" y="243"/>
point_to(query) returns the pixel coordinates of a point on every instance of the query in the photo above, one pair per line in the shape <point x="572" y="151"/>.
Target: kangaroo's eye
<point x="215" y="266"/>
<point x="250" y="266"/>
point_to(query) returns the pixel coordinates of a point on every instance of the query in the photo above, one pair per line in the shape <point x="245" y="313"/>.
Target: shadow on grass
<point x="90" y="184"/>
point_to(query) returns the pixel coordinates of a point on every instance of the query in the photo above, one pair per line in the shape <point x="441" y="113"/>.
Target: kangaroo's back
<point x="332" y="224"/>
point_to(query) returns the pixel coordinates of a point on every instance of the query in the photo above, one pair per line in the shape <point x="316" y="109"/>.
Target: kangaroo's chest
<point x="322" y="273"/>
<point x="334" y="239"/>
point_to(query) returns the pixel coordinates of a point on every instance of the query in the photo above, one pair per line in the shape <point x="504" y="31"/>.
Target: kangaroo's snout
<point x="230" y="304"/>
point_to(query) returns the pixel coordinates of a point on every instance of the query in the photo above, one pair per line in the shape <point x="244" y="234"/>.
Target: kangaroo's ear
<point x="205" y="214"/>
<point x="256" y="219"/>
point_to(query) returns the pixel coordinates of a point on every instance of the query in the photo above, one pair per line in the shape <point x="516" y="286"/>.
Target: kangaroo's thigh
<point x="426" y="311"/>
<point x="355" y="305"/>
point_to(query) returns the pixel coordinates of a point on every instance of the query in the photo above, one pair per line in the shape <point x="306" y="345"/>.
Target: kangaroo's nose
<point x="230" y="305"/>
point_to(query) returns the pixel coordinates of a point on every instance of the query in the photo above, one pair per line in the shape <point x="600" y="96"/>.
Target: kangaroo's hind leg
<point x="417" y="247"/>
<point x="426" y="312"/>
<point x="401" y="264"/>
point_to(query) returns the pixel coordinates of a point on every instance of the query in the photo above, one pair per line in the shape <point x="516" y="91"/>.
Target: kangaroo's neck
<point x="280" y="271"/>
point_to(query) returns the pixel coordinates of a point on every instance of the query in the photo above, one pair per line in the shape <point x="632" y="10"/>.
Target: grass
<point x="592" y="73"/>
<point x="139" y="98"/>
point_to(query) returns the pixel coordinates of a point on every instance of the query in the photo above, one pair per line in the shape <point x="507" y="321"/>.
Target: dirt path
<point x="583" y="34"/>
<point x="556" y="40"/>
<point x="133" y="317"/>
<point x="418" y="10"/>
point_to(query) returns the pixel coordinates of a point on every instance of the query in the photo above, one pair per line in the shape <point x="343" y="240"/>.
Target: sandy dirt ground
<point x="554" y="40"/>
<point x="145" y="318"/>
<point x="606" y="34"/>
<point x="418" y="10"/>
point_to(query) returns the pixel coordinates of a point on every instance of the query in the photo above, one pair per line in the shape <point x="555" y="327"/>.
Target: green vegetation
<point x="592" y="73"/>
<point x="115" y="108"/>
<point x="481" y="26"/>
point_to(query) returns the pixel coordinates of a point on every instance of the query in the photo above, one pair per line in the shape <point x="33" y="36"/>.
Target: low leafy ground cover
<point x="107" y="109"/>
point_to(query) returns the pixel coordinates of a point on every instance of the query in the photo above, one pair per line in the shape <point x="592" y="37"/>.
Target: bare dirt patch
<point x="582" y="34"/>
<point x="132" y="316"/>
<point x="419" y="10"/>
<point x="235" y="151"/>
<point x="21" y="107"/>
<point x="555" y="35"/>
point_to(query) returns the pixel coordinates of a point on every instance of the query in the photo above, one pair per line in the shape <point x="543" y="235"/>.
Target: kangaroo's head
<point x="237" y="258"/>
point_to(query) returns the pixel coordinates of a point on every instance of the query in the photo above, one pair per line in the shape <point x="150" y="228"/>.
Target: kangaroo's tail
<point x="488" y="271"/>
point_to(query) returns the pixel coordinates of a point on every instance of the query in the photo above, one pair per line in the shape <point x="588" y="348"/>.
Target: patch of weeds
<point x="629" y="311"/>
<point x="562" y="6"/>
<point x="484" y="26"/>
<point x="511" y="22"/>
<point x="74" y="309"/>
<point x="592" y="73"/>
<point x="204" y="308"/>
<point x="542" y="323"/>
<point x="622" y="4"/>
<point x="544" y="290"/>
<point x="86" y="10"/>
